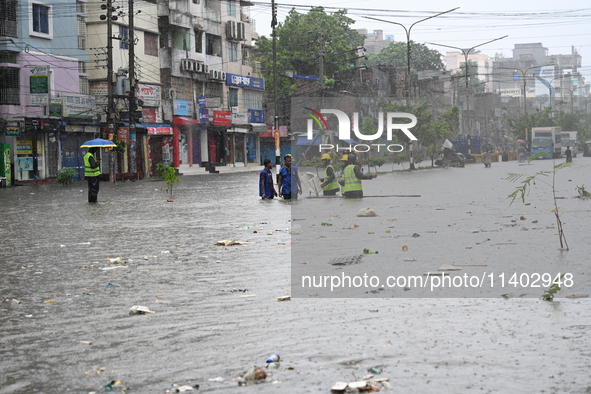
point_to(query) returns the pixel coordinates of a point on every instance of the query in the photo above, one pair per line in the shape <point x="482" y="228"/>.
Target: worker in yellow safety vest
<point x="92" y="171"/>
<point x="330" y="185"/>
<point x="352" y="176"/>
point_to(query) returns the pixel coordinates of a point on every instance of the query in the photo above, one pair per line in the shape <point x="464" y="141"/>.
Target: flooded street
<point x="216" y="313"/>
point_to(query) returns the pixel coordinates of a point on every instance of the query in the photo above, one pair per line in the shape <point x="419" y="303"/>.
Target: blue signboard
<point x="244" y="81"/>
<point x="183" y="108"/>
<point x="203" y="115"/>
<point x="202" y="101"/>
<point x="256" y="116"/>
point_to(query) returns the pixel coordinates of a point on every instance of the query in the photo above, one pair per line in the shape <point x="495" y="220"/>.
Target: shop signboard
<point x="12" y="131"/>
<point x="149" y="94"/>
<point x="183" y="108"/>
<point x="245" y="81"/>
<point x="25" y="164"/>
<point x="24" y="147"/>
<point x="202" y="101"/>
<point x="270" y="134"/>
<point x="256" y="116"/>
<point x="55" y="107"/>
<point x="239" y="118"/>
<point x="222" y="118"/>
<point x="78" y="106"/>
<point x="203" y="115"/>
<point x="159" y="130"/>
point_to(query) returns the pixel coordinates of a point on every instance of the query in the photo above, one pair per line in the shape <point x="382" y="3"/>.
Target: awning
<point x="146" y="125"/>
<point x="259" y="127"/>
<point x="302" y="140"/>
<point x="184" y="120"/>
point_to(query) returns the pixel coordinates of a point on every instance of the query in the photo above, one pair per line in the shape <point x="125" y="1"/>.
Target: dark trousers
<point x="354" y="194"/>
<point x="332" y="192"/>
<point x="93" y="188"/>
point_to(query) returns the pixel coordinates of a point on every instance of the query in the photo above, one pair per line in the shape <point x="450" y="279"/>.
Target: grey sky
<point x="558" y="25"/>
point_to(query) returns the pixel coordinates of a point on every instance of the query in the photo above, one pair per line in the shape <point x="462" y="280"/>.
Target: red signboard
<point x="222" y="118"/>
<point x="271" y="134"/>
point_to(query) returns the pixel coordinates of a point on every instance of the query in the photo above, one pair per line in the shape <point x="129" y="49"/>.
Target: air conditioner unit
<point x="199" y="67"/>
<point x="206" y="69"/>
<point x="241" y="31"/>
<point x="193" y="66"/>
<point x="231" y="32"/>
<point x="222" y="75"/>
<point x="186" y="65"/>
<point x="214" y="74"/>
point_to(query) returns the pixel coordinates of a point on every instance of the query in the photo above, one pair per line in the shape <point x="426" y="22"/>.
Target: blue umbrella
<point x="98" y="143"/>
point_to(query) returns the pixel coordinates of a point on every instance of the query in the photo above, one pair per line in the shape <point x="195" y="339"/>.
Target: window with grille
<point x="40" y="18"/>
<point x="232" y="51"/>
<point x="252" y="99"/>
<point x="81" y="32"/>
<point x="124" y="36"/>
<point x="233" y="97"/>
<point x="150" y="44"/>
<point x="8" y="23"/>
<point x="9" y="86"/>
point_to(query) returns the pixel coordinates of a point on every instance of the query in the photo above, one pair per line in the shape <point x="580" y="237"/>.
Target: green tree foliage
<point x="421" y="57"/>
<point x="301" y="38"/>
<point x="475" y="85"/>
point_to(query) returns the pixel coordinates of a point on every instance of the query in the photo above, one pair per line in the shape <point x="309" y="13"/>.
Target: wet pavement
<point x="216" y="313"/>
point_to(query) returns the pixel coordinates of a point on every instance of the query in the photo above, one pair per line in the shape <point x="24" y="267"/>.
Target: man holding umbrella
<point x="92" y="171"/>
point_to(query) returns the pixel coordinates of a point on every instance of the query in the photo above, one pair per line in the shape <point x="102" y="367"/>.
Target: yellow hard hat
<point x="325" y="156"/>
<point x="345" y="158"/>
<point x="288" y="155"/>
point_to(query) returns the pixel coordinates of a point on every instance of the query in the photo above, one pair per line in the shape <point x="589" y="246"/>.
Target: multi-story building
<point x="43" y="85"/>
<point x="212" y="91"/>
<point x="454" y="60"/>
<point x="542" y="79"/>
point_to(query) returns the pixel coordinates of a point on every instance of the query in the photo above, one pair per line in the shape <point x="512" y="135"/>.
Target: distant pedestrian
<point x="487" y="159"/>
<point x="92" y="172"/>
<point x="330" y="185"/>
<point x="288" y="182"/>
<point x="521" y="154"/>
<point x="266" y="188"/>
<point x="352" y="176"/>
<point x="569" y="155"/>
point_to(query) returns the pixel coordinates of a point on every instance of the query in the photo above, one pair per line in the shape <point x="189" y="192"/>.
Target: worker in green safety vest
<point x="92" y="171"/>
<point x="330" y="185"/>
<point x="352" y="176"/>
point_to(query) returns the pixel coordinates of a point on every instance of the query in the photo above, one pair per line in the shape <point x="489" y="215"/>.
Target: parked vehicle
<point x="547" y="140"/>
<point x="569" y="138"/>
<point x="587" y="149"/>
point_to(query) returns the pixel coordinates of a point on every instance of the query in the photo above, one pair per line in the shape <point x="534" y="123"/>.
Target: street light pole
<point x="524" y="93"/>
<point x="408" y="82"/>
<point x="466" y="53"/>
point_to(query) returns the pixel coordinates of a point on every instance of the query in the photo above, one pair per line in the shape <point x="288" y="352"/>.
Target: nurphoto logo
<point x="345" y="129"/>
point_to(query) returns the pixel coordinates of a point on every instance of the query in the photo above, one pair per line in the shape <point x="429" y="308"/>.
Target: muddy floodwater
<point x="65" y="319"/>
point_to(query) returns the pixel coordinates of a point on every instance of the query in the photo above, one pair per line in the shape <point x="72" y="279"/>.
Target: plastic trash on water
<point x="273" y="358"/>
<point x="369" y="251"/>
<point x="366" y="213"/>
<point x="139" y="310"/>
<point x="311" y="182"/>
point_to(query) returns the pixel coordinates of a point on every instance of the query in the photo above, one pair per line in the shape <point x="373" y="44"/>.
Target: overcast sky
<point x="558" y="25"/>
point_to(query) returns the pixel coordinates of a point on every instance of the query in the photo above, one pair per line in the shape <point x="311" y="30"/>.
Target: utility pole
<point x="110" y="105"/>
<point x="408" y="80"/>
<point x="466" y="53"/>
<point x="132" y="84"/>
<point x="275" y="116"/>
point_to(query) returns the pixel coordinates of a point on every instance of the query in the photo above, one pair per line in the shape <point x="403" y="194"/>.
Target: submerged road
<point x="64" y="311"/>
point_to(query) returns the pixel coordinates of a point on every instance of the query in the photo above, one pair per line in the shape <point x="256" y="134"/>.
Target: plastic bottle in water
<point x="369" y="251"/>
<point x="273" y="358"/>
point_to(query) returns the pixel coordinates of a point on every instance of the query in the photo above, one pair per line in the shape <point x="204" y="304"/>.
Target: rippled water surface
<point x="216" y="313"/>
